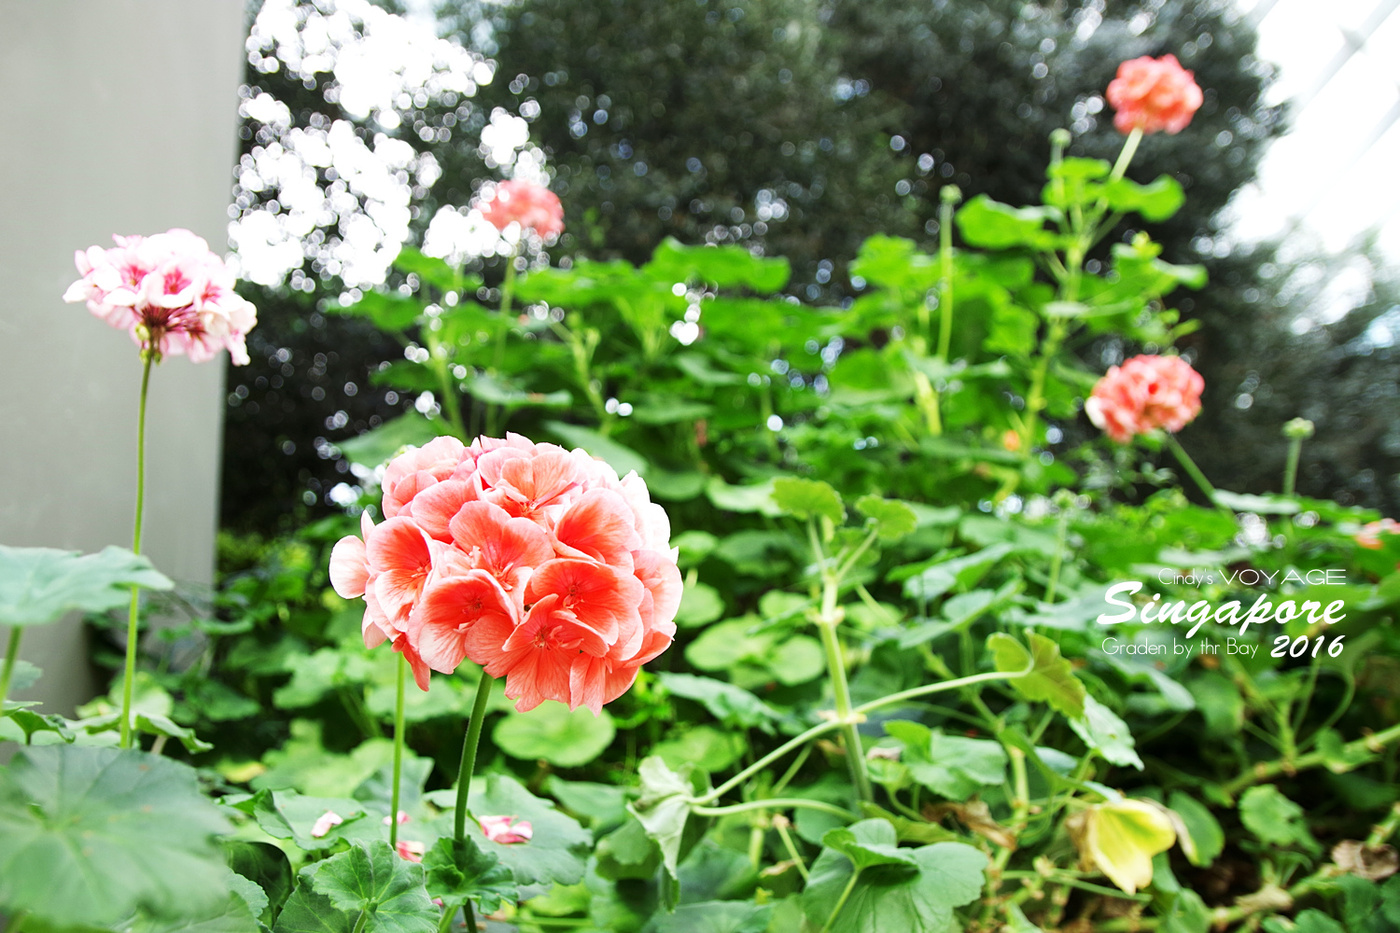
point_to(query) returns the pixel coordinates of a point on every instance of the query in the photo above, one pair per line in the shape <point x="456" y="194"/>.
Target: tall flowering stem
<point x="828" y="618"/>
<point x="468" y="763"/>
<point x="148" y="357"/>
<point x="11" y="653"/>
<point x="175" y="298"/>
<point x="493" y="414"/>
<point x="1194" y="471"/>
<point x="402" y="669"/>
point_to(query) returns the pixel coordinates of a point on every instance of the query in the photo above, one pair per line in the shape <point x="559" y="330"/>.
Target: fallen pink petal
<point x="505" y="830"/>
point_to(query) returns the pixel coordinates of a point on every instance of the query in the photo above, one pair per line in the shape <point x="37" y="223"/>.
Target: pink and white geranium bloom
<point x="169" y="291"/>
<point x="500" y="829"/>
<point x="536" y="562"/>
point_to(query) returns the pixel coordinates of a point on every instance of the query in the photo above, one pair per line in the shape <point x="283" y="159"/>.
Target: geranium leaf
<point x="371" y="879"/>
<point x="1106" y="733"/>
<point x="662" y="809"/>
<point x="808" y="498"/>
<point x="285" y="814"/>
<point x="39" y="584"/>
<point x="1051" y="679"/>
<point x="554" y="733"/>
<point x="877" y="848"/>
<point x="893" y="519"/>
<point x="1275" y="819"/>
<point x="556" y="852"/>
<point x="88" y="835"/>
<point x="888" y="897"/>
<point x="459" y="871"/>
<point x="1200" y="834"/>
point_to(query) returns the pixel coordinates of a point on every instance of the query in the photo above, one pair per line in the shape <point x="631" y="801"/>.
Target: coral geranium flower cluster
<point x="1145" y="394"/>
<point x="1153" y="94"/>
<point x="532" y="206"/>
<point x="536" y="562"/>
<point x="169" y="291"/>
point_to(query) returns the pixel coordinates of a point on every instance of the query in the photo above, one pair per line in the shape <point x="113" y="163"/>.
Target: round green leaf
<point x="88" y="835"/>
<point x="40" y="584"/>
<point x="556" y="734"/>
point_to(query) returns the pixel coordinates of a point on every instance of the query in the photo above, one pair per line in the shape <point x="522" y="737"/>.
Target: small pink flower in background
<point x="532" y="206"/>
<point x="499" y="829"/>
<point x="324" y="823"/>
<point x="408" y="849"/>
<point x="1370" y="534"/>
<point x="536" y="562"/>
<point x="403" y="818"/>
<point x="172" y="294"/>
<point x="1145" y="394"/>
<point x="1153" y="94"/>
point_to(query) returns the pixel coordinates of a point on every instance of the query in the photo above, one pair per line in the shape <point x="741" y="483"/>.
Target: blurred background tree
<point x="798" y="129"/>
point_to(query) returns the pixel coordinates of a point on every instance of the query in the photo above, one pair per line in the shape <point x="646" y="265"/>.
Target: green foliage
<point x="89" y="835"/>
<point x="39" y="585"/>
<point x="370" y="883"/>
<point x="458" y="872"/>
<point x="1047" y="675"/>
<point x="862" y="882"/>
<point x="555" y="734"/>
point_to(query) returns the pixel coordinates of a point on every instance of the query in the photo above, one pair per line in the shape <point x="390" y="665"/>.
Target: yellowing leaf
<point x="1121" y="837"/>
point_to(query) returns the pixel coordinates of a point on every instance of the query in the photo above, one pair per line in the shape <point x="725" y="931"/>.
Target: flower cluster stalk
<point x="402" y="668"/>
<point x="148" y="357"/>
<point x="11" y="654"/>
<point x="468" y="763"/>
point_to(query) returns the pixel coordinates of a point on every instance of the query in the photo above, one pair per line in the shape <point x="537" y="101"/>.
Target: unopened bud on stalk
<point x="1299" y="429"/>
<point x="950" y="194"/>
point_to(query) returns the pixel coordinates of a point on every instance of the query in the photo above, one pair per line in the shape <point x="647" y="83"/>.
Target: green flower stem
<point x="776" y="803"/>
<point x="822" y="729"/>
<point x="1266" y="770"/>
<point x="1035" y="400"/>
<point x="464" y="771"/>
<point x="498" y="357"/>
<point x="945" y="277"/>
<point x="855" y="753"/>
<point x="361" y="922"/>
<point x="507" y="302"/>
<point x="1194" y="472"/>
<point x="841" y="901"/>
<point x="1062" y="533"/>
<point x="1290" y="467"/>
<point x="780" y="823"/>
<point x="1130" y="147"/>
<point x="796" y="742"/>
<point x="11" y="653"/>
<point x="133" y="616"/>
<point x="913" y="693"/>
<point x="827" y="620"/>
<point x="1383" y="830"/>
<point x="398" y="754"/>
<point x="437" y="357"/>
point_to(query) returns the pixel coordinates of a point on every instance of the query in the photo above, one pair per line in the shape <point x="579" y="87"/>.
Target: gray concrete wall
<point x="119" y="116"/>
